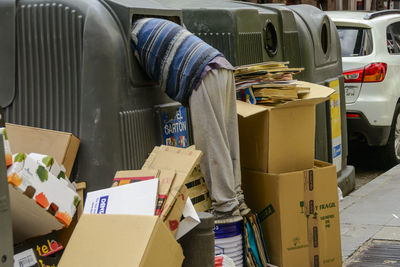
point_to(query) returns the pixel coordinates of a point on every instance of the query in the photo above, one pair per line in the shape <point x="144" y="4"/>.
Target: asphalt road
<point x="366" y="163"/>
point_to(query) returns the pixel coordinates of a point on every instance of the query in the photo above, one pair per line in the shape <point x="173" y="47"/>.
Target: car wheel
<point x="391" y="152"/>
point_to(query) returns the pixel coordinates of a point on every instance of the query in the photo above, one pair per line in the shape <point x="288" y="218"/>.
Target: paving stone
<point x="366" y="213"/>
<point x="347" y="202"/>
<point x="376" y="208"/>
<point x="395" y="221"/>
<point x="373" y="211"/>
<point x="388" y="233"/>
<point x="353" y="236"/>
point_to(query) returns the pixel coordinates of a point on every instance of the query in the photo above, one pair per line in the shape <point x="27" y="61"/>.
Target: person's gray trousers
<point x="215" y="130"/>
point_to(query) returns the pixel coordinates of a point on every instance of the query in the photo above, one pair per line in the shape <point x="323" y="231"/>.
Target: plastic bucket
<point x="229" y="241"/>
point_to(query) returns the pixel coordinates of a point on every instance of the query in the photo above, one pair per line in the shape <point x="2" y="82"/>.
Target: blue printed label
<point x="102" y="208"/>
<point x="337" y="150"/>
<point x="175" y="131"/>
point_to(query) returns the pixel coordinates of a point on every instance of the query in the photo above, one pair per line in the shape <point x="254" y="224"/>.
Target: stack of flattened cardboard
<point x="268" y="83"/>
<point x="141" y="213"/>
<point x="294" y="196"/>
<point x="256" y="253"/>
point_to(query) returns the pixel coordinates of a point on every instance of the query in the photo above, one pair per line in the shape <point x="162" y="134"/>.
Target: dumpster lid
<point x="147" y="7"/>
<point x="322" y="32"/>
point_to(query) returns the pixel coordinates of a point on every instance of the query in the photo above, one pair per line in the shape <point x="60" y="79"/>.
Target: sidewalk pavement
<point x="371" y="212"/>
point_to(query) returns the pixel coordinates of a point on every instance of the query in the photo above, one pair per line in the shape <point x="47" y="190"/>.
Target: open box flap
<point x="246" y="110"/>
<point x="318" y="93"/>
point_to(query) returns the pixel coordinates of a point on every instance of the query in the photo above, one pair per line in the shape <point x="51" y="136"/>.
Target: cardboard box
<point x="32" y="178"/>
<point x="133" y="176"/>
<point x="25" y="212"/>
<point x="45" y="250"/>
<point x="120" y="241"/>
<point x="60" y="145"/>
<point x="281" y="138"/>
<point x="299" y="214"/>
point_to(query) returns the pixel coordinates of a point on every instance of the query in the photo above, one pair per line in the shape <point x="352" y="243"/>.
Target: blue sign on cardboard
<point x="175" y="130"/>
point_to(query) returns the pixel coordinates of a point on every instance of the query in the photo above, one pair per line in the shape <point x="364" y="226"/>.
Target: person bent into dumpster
<point x="197" y="75"/>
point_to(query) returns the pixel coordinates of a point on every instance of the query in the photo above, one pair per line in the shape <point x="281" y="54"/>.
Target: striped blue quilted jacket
<point x="171" y="56"/>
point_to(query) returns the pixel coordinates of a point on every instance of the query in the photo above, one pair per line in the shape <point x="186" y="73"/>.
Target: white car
<point x="370" y="43"/>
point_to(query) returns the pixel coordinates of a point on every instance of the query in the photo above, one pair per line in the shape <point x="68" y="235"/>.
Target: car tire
<point x="390" y="154"/>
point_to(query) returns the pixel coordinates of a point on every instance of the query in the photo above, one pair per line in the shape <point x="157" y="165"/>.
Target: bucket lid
<point x="228" y="229"/>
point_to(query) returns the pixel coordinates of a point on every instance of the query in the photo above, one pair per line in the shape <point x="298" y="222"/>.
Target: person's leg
<point x="215" y="130"/>
<point x="233" y="132"/>
<point x="233" y="136"/>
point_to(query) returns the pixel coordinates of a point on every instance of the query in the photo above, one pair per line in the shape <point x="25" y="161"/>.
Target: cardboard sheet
<point x="137" y="199"/>
<point x="190" y="219"/>
<point x="182" y="161"/>
<point x="60" y="145"/>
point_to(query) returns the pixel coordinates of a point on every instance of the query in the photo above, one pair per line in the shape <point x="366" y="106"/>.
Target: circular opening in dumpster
<point x="324" y="38"/>
<point x="4" y="259"/>
<point x="271" y="39"/>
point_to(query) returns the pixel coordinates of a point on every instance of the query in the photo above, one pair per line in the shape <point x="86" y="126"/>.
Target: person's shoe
<point x="244" y="210"/>
<point x="227" y="217"/>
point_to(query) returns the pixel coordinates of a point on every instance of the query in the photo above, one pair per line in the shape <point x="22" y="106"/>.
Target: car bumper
<point x="374" y="135"/>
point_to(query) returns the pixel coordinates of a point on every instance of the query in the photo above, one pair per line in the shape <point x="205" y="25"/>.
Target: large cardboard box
<point x="121" y="240"/>
<point x="280" y="138"/>
<point x="299" y="215"/>
<point x="60" y="145"/>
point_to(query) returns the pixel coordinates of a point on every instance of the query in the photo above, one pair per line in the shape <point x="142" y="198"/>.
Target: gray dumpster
<point x="304" y="35"/>
<point x="320" y="46"/>
<point x="75" y="72"/>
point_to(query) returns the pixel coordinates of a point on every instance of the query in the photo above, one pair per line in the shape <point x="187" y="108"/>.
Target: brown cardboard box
<point x="29" y="219"/>
<point x="60" y="145"/>
<point x="280" y="138"/>
<point x="25" y="211"/>
<point x="299" y="215"/>
<point x="120" y="241"/>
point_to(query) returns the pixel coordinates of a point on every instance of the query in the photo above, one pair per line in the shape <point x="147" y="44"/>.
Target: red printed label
<point x="173" y="225"/>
